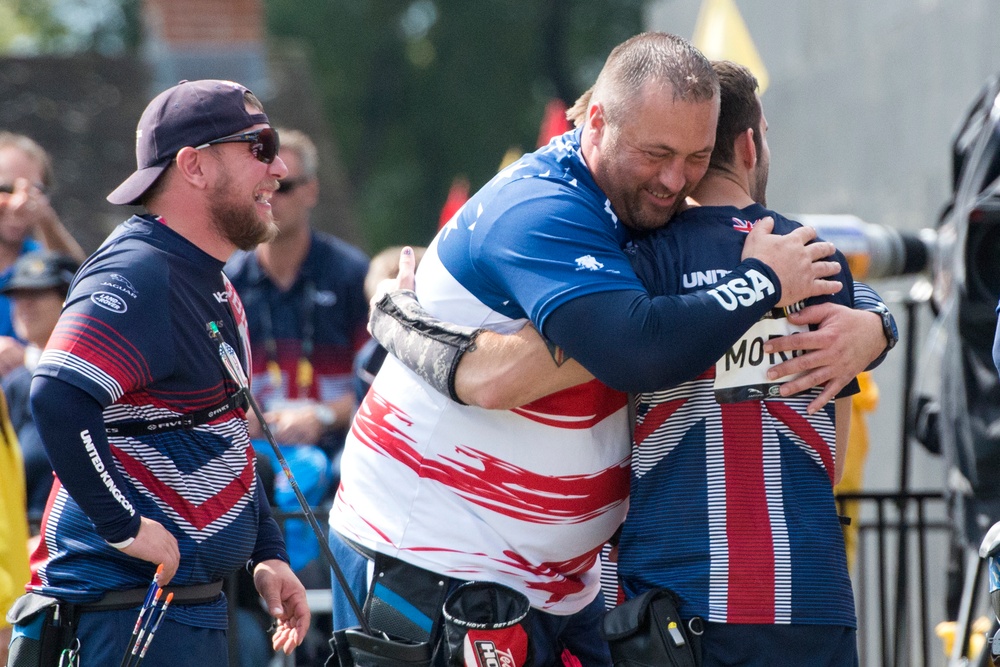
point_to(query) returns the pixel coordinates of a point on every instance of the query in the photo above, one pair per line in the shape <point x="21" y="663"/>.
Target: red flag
<point x="458" y="194"/>
<point x="554" y="121"/>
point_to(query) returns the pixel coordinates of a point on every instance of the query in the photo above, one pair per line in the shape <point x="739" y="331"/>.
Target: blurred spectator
<point x="27" y="223"/>
<point x="36" y="288"/>
<point x="13" y="527"/>
<point x="305" y="304"/>
<point x="367" y="362"/>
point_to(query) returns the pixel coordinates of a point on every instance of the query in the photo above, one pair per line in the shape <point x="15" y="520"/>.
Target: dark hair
<point x="740" y="110"/>
<point x="653" y="56"/>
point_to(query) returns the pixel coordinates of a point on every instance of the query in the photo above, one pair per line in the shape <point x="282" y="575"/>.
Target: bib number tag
<point x="741" y="374"/>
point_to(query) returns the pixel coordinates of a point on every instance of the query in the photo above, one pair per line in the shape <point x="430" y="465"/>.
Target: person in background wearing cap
<point x="36" y="288"/>
<point x="27" y="223"/>
<point x="146" y="431"/>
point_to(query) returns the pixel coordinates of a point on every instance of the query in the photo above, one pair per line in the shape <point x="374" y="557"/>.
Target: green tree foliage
<point x="29" y="27"/>
<point x="419" y="92"/>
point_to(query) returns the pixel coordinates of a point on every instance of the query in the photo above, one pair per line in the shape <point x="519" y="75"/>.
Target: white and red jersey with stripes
<point x="524" y="497"/>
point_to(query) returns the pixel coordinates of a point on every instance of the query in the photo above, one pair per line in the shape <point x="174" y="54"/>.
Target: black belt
<point x="134" y="597"/>
<point x="137" y="428"/>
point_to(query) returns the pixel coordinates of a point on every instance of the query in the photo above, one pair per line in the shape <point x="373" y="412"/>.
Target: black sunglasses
<point x="263" y="143"/>
<point x="8" y="188"/>
<point x="289" y="185"/>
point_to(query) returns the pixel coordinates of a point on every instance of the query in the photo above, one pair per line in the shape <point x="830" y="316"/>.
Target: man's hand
<point x="403" y="280"/>
<point x="11" y="354"/>
<point x="156" y="544"/>
<point x="24" y="211"/>
<point x="27" y="212"/>
<point x="798" y="266"/>
<point x="295" y="425"/>
<point x="285" y="598"/>
<point x="845" y="343"/>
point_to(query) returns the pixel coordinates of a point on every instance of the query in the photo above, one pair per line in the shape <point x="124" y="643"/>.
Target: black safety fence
<point x="898" y="568"/>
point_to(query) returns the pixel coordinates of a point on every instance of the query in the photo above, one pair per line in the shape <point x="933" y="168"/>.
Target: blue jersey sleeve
<point x="635" y="343"/>
<point x="270" y="544"/>
<point x="71" y="424"/>
<point x="866" y="298"/>
<point x="543" y="249"/>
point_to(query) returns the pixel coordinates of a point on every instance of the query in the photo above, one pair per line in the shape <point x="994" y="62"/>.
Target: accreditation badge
<point x="741" y="374"/>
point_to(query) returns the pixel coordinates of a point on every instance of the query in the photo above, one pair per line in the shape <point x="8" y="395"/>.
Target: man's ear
<point x="193" y="166"/>
<point x="596" y="122"/>
<point x="310" y="189"/>
<point x="746" y="149"/>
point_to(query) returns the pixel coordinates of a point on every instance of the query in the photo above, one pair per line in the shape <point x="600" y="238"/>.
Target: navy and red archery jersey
<point x="134" y="336"/>
<point x="732" y="503"/>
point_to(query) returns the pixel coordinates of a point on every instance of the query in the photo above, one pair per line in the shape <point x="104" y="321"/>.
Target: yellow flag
<point x="512" y="155"/>
<point x="721" y="34"/>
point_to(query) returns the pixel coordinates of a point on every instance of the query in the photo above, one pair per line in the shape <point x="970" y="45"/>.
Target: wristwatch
<point x="888" y="325"/>
<point x="325" y="415"/>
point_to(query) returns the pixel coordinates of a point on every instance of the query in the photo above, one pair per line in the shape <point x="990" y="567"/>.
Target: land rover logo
<point x="109" y="301"/>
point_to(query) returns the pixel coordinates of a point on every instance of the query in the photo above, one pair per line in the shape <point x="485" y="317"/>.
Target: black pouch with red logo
<point x="484" y="626"/>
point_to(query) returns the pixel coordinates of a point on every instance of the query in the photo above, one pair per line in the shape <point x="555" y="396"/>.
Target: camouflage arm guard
<point x="426" y="345"/>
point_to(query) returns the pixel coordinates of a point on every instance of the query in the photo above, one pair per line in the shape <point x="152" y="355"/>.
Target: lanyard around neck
<point x="307" y="311"/>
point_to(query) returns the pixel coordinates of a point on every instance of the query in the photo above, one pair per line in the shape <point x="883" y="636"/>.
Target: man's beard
<point x="626" y="196"/>
<point x="758" y="189"/>
<point x="628" y="203"/>
<point x="240" y="224"/>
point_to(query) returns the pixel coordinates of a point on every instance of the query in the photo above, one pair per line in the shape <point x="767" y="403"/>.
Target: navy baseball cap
<point x="40" y="270"/>
<point x="189" y="114"/>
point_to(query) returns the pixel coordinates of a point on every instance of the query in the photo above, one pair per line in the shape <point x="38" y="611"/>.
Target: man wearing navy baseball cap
<point x="146" y="432"/>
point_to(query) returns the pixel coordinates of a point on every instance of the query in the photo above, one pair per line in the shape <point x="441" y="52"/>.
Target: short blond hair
<point x="31" y="148"/>
<point x="657" y="57"/>
<point x="299" y="143"/>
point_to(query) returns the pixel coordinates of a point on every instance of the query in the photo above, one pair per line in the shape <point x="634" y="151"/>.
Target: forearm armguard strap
<point x="429" y="347"/>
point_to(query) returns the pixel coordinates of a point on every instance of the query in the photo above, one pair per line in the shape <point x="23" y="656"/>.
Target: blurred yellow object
<point x="512" y="155"/>
<point x="852" y="481"/>
<point x="274" y="371"/>
<point x="946" y="631"/>
<point x="721" y="34"/>
<point x="304" y="377"/>
<point x="14" y="573"/>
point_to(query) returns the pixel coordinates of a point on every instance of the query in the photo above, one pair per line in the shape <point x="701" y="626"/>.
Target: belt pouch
<point x="484" y="625"/>
<point x="403" y="609"/>
<point x="647" y="631"/>
<point x="43" y="628"/>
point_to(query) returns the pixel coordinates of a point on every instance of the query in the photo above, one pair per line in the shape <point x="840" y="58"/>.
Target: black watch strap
<point x="888" y="326"/>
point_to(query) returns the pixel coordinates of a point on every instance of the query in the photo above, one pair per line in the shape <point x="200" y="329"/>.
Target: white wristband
<point x="123" y="543"/>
